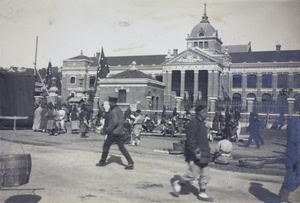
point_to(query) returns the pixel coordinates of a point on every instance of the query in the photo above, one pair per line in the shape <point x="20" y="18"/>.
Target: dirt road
<point x="63" y="171"/>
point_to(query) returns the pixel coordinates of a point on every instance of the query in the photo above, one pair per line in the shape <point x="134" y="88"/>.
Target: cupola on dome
<point x="204" y="28"/>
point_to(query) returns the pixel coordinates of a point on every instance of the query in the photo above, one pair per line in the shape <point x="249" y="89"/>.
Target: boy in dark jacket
<point x="197" y="155"/>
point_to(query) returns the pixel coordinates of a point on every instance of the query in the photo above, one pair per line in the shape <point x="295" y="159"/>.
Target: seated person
<point x="222" y="153"/>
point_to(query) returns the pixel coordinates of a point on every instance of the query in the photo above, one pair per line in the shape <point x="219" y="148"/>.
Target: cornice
<point x="265" y="65"/>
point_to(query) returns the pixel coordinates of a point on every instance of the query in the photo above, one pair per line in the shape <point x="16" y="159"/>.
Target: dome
<point x="202" y="29"/>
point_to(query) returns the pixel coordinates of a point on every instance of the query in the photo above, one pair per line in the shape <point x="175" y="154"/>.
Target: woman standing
<point x="37" y="118"/>
<point x="74" y="118"/>
<point x="83" y="126"/>
<point x="44" y="120"/>
<point x="50" y="115"/>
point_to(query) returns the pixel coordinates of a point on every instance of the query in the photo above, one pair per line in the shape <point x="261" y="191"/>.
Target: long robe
<point x="37" y="119"/>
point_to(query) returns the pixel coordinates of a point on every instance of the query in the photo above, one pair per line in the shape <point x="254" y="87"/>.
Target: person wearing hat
<point x="254" y="127"/>
<point x="114" y="127"/>
<point x="197" y="155"/>
<point x="137" y="128"/>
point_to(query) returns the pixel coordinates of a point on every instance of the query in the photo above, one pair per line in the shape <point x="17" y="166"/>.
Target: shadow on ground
<point x="263" y="194"/>
<point x="23" y="199"/>
<point x="115" y="159"/>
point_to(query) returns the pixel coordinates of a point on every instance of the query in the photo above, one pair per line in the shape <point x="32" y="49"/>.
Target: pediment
<point x="191" y="56"/>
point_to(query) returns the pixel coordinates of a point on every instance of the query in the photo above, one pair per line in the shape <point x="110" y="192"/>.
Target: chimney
<point x="175" y="52"/>
<point x="97" y="55"/>
<point x="278" y="46"/>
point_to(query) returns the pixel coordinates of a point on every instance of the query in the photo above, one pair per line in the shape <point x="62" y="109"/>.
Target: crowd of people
<point x="51" y="118"/>
<point x="228" y="126"/>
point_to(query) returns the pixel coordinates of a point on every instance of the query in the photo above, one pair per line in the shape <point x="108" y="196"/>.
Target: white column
<point x="291" y="103"/>
<point x="216" y="83"/>
<point x="182" y="82"/>
<point x="169" y="85"/>
<point x="258" y="87"/>
<point x="274" y="84"/>
<point x="210" y="84"/>
<point x="196" y="85"/>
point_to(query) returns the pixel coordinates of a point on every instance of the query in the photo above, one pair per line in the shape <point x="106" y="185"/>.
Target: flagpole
<point x="35" y="70"/>
<point x="35" y="59"/>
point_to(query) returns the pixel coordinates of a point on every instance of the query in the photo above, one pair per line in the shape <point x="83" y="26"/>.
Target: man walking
<point x="197" y="155"/>
<point x="114" y="128"/>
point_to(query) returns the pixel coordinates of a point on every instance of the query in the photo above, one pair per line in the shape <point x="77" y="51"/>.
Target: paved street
<point x="63" y="171"/>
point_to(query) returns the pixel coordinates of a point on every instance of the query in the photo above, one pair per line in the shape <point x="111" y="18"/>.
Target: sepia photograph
<point x="149" y="101"/>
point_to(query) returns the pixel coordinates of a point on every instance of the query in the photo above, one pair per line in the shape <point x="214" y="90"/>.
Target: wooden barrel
<point x="14" y="169"/>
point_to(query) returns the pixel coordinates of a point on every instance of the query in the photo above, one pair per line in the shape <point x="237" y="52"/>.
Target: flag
<point x="49" y="74"/>
<point x="103" y="68"/>
<point x="225" y="95"/>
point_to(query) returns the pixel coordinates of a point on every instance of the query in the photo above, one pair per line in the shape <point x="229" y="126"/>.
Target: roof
<point x="265" y="56"/>
<point x="203" y="27"/>
<point x="236" y="48"/>
<point x="127" y="60"/>
<point x="80" y="57"/>
<point x="131" y="73"/>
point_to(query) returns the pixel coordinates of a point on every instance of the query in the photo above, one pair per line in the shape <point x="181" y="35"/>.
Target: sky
<point x="136" y="27"/>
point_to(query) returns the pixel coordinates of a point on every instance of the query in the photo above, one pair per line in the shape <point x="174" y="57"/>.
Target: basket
<point x="254" y="163"/>
<point x="271" y="159"/>
<point x="178" y="146"/>
<point x="14" y="169"/>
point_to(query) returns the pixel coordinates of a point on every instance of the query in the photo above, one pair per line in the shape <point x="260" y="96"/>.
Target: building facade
<point x="207" y="71"/>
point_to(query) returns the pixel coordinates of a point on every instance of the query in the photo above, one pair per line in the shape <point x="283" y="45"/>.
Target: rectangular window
<point x="296" y="80"/>
<point x="266" y="81"/>
<point x="92" y="81"/>
<point x="282" y="81"/>
<point x="205" y="45"/>
<point x="201" y="45"/>
<point x="251" y="81"/>
<point x="237" y="81"/>
<point x="122" y="96"/>
<point x="195" y="44"/>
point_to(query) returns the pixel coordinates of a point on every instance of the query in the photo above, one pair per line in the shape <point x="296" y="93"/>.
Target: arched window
<point x="282" y="81"/>
<point x="72" y="80"/>
<point x="282" y="104"/>
<point x="236" y="101"/>
<point x="251" y="95"/>
<point x="267" y="105"/>
<point x="251" y="81"/>
<point x="237" y="98"/>
<point x="266" y="81"/>
<point x="122" y="96"/>
<point x="157" y="100"/>
<point x="237" y="81"/>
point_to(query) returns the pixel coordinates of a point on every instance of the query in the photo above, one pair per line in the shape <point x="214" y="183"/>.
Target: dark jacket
<point x="197" y="142"/>
<point x="115" y="121"/>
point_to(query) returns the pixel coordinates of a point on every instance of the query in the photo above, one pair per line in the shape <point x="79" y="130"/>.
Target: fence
<point x="275" y="107"/>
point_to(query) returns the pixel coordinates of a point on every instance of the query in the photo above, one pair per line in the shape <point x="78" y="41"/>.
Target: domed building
<point x="207" y="72"/>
